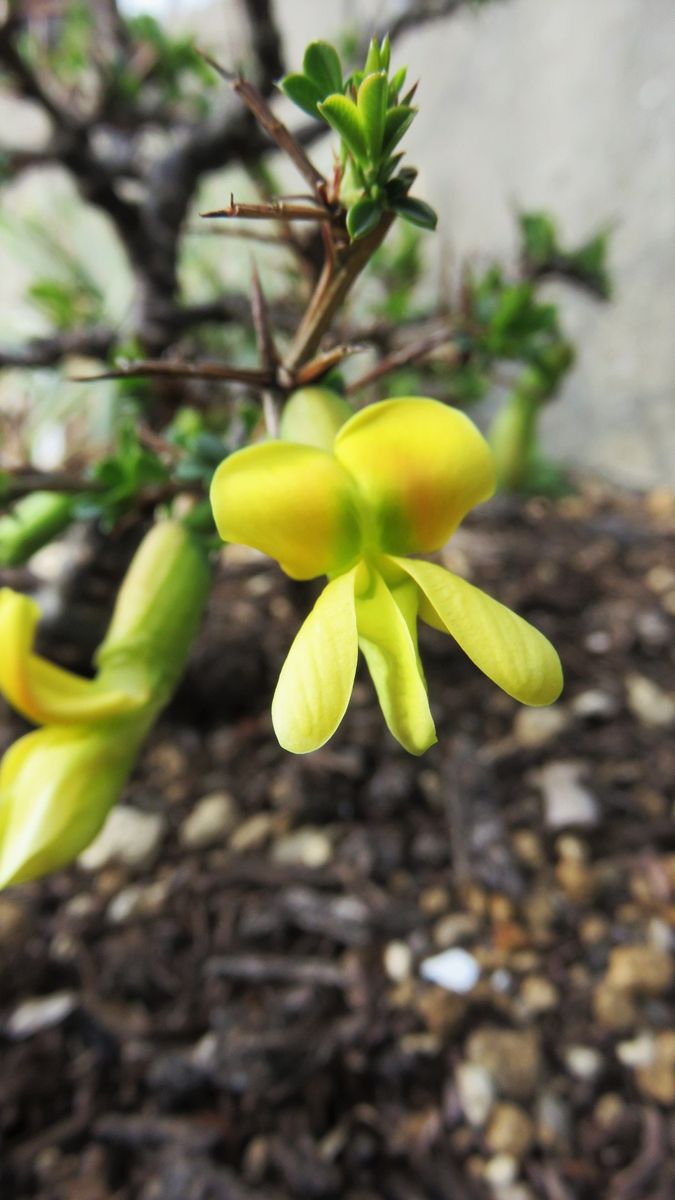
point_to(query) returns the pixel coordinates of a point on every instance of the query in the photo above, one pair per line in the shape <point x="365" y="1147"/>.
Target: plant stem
<point x="331" y="290"/>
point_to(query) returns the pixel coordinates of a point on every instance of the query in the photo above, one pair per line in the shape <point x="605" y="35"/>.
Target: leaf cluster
<point x="543" y="254"/>
<point x="371" y="117"/>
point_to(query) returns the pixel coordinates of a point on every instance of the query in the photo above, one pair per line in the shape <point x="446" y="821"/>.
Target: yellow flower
<point x="58" y="784"/>
<point x="397" y="480"/>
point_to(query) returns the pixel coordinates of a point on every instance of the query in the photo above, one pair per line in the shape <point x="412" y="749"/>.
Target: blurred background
<point x="524" y="106"/>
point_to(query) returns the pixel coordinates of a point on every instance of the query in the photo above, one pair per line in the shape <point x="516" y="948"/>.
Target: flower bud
<point x="57" y="786"/>
<point x="313" y="416"/>
<point x="158" y="609"/>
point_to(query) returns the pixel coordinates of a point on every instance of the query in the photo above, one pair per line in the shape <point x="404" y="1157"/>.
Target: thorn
<point x="228" y="76"/>
<point x="261" y="322"/>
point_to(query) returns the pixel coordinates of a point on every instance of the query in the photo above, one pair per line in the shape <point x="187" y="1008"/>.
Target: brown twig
<point x="333" y="286"/>
<point x="267" y="351"/>
<point x="279" y="210"/>
<point x="24" y="482"/>
<point x="403" y="357"/>
<point x="258" y="106"/>
<point x="322" y="363"/>
<point x="175" y="369"/>
<point x="48" y="351"/>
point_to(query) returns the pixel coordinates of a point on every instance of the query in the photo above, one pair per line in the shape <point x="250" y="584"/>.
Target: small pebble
<point x="130" y="837"/>
<point x="455" y="969"/>
<point x="646" y="970"/>
<point x="653" y="628"/>
<point x="511" y="1056"/>
<point x="501" y="1170"/>
<point x="306" y="847"/>
<point x="254" y="832"/>
<point x="598" y="642"/>
<point x="609" y="1109"/>
<point x="536" y="726"/>
<point x="538" y="994"/>
<point x="594" y="705"/>
<point x="639" y="1052"/>
<point x="613" y="1008"/>
<point x="649" y="703"/>
<point x="510" y="1131"/>
<point x="456" y="927"/>
<point x="137" y="900"/>
<point x="553" y="1120"/>
<point x="42" y="1012"/>
<point x="583" y="1062"/>
<point x="567" y="801"/>
<point x="442" y="1011"/>
<point x="398" y="961"/>
<point x="476" y="1091"/>
<point x="210" y="821"/>
<point x="656" y="1079"/>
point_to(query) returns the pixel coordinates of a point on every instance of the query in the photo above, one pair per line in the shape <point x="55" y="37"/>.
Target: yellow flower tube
<point x="58" y="784"/>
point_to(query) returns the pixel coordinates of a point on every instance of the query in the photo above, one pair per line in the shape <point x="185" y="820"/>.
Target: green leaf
<point x="385" y="52"/>
<point x="415" y="211"/>
<point x="303" y="92"/>
<point x="354" y="81"/>
<point x="372" y="105"/>
<point x="539" y="237"/>
<point x="388" y="167"/>
<point x="397" y="121"/>
<point x="363" y="217"/>
<point x="322" y="64"/>
<point x="399" y="187"/>
<point x="343" y="116"/>
<point x="396" y="83"/>
<point x="373" y="61"/>
<point x="590" y="264"/>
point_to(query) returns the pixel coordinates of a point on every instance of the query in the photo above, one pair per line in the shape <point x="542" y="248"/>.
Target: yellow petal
<point x="420" y="466"/>
<point x="56" y="788"/>
<point x="293" y="502"/>
<point x="317" y="678"/>
<point x="388" y="640"/>
<point x="41" y="691"/>
<point x="510" y="651"/>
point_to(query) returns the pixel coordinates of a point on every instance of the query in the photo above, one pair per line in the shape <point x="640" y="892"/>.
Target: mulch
<point x="255" y="1023"/>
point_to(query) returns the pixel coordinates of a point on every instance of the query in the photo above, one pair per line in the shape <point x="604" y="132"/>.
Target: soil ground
<point x="242" y="1012"/>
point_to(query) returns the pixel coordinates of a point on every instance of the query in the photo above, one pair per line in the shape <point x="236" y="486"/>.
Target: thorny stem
<point x="177" y="369"/>
<point x="267" y="351"/>
<point x="407" y="354"/>
<point x="258" y="106"/>
<point x="279" y="210"/>
<point x="331" y="290"/>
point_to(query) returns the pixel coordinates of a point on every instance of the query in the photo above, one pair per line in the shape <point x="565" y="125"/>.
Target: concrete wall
<point x="566" y="105"/>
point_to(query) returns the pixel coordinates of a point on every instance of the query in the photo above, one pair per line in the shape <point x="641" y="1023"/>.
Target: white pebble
<point x="455" y="970"/>
<point x="42" y="1012"/>
<point x="398" y="961"/>
<point x="129" y="837"/>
